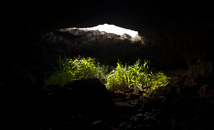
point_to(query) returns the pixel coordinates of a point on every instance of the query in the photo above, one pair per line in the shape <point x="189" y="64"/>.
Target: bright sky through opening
<point x="114" y="29"/>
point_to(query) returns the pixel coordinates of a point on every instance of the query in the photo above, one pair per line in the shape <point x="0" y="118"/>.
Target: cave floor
<point x="173" y="107"/>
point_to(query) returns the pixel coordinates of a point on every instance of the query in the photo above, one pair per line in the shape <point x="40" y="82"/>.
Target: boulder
<point x="87" y="97"/>
<point x="81" y="96"/>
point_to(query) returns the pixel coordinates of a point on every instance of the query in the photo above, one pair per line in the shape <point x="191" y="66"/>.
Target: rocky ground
<point x="86" y="104"/>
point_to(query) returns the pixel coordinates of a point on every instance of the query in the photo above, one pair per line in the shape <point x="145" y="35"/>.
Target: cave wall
<point x="185" y="25"/>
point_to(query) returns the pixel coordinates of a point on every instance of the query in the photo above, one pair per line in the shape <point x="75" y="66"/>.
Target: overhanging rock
<point x="107" y="47"/>
<point x="103" y="33"/>
<point x="88" y="42"/>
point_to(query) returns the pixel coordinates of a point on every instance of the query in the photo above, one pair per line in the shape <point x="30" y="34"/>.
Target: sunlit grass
<point x="137" y="76"/>
<point x="76" y="69"/>
<point x="122" y="77"/>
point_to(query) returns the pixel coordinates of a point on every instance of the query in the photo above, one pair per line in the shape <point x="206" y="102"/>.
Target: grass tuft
<point x="122" y="77"/>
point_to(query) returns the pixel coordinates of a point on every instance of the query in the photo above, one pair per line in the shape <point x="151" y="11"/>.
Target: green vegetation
<point x="137" y="76"/>
<point x="76" y="69"/>
<point x="122" y="77"/>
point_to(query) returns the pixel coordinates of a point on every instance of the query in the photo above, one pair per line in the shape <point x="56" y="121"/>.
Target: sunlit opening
<point x="108" y="28"/>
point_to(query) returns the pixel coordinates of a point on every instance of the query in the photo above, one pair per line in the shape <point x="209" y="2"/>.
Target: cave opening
<point x="114" y="29"/>
<point x="177" y="40"/>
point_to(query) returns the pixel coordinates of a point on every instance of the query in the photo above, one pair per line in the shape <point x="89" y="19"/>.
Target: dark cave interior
<point x="187" y="102"/>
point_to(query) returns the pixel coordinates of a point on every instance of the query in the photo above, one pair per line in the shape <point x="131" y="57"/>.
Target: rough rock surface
<point x="106" y="47"/>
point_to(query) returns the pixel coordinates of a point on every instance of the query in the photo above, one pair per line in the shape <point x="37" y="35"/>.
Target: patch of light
<point x="114" y="29"/>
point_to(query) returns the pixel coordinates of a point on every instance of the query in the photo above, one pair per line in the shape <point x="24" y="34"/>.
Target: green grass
<point x="122" y="77"/>
<point x="69" y="70"/>
<point x="138" y="76"/>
